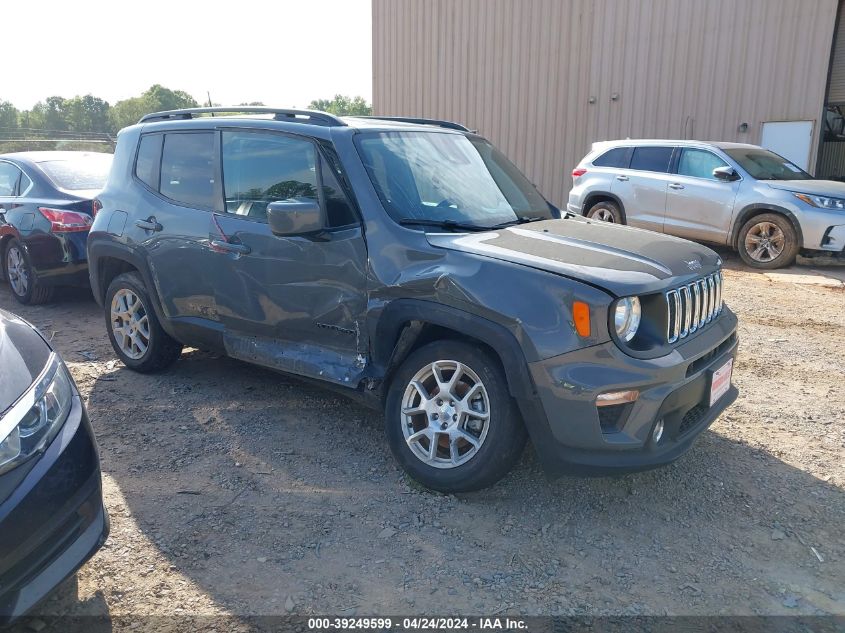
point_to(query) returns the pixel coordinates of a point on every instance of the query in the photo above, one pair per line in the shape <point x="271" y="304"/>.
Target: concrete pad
<point x="835" y="273"/>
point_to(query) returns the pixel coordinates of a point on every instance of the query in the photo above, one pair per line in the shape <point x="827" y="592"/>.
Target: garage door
<point x="790" y="139"/>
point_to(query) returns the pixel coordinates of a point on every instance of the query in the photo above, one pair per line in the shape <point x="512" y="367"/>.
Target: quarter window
<point x="24" y="184"/>
<point x="699" y="163"/>
<point x="149" y="160"/>
<point x="8" y="179"/>
<point x="617" y="157"/>
<point x="652" y="159"/>
<point x="262" y="168"/>
<point x="187" y="169"/>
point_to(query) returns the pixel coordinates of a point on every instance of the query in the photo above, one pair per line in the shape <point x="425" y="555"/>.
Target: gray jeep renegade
<point x="409" y="262"/>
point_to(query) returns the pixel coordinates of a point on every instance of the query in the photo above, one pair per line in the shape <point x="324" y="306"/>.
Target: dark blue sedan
<point x="52" y="517"/>
<point x="47" y="205"/>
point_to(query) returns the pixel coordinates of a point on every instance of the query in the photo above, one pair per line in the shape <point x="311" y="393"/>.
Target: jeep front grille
<point x="691" y="307"/>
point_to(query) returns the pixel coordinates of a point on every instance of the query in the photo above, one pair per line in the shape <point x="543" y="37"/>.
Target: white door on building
<point x="790" y="139"/>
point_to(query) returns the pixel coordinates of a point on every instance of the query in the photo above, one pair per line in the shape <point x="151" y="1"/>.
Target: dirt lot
<point x="233" y="490"/>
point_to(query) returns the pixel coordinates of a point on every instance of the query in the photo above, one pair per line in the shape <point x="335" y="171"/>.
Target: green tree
<point x="8" y="118"/>
<point x="342" y="105"/>
<point x="155" y="99"/>
<point x="50" y="114"/>
<point x="87" y="114"/>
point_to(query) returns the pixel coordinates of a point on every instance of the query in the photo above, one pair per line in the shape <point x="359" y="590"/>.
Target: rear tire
<point x="768" y="241"/>
<point x="134" y="331"/>
<point x="21" y="277"/>
<point x="464" y="433"/>
<point x="606" y="211"/>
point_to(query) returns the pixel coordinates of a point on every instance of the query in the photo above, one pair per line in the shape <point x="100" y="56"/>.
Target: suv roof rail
<point x="280" y="114"/>
<point x="438" y="122"/>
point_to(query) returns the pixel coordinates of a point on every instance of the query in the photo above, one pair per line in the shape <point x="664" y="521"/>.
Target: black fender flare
<point x="588" y="202"/>
<point x="116" y="250"/>
<point x="388" y="351"/>
<point x="755" y="209"/>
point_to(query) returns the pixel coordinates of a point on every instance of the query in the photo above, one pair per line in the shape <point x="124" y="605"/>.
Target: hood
<point x="23" y="355"/>
<point x="829" y="188"/>
<point x="619" y="259"/>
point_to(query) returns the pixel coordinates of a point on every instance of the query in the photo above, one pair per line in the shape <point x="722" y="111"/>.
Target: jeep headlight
<point x="34" y="420"/>
<point x="822" y="202"/>
<point x="626" y="317"/>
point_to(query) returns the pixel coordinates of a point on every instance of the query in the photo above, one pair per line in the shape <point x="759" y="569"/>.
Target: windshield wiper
<point x="444" y="224"/>
<point x="522" y="220"/>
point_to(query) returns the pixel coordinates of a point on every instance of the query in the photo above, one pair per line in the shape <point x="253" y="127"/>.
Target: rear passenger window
<point x="617" y="157"/>
<point x="8" y="179"/>
<point x="24" y="184"/>
<point x="651" y="159"/>
<point x="149" y="160"/>
<point x="187" y="170"/>
<point x="260" y="168"/>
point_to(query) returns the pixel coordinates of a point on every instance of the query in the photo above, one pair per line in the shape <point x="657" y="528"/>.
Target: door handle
<point x="622" y="178"/>
<point x="676" y="185"/>
<point x="241" y="249"/>
<point x="149" y="224"/>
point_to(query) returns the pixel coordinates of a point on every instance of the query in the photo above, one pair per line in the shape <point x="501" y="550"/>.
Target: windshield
<point x="765" y="165"/>
<point x="439" y="177"/>
<point x="88" y="171"/>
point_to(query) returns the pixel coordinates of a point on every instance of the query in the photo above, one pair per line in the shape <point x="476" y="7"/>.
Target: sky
<point x="284" y="52"/>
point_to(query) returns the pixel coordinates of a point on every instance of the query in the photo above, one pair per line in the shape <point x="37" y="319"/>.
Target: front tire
<point x="21" y="277"/>
<point x="606" y="211"/>
<point x="768" y="241"/>
<point x="450" y="420"/>
<point x="134" y="331"/>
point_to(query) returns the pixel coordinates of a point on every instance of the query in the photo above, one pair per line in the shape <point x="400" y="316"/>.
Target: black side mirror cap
<point x="295" y="217"/>
<point x="725" y="174"/>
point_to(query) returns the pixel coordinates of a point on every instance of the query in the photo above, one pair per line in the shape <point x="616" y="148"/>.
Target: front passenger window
<point x="260" y="168"/>
<point x="699" y="163"/>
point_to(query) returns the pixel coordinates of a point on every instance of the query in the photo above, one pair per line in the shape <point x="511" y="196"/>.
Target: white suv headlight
<point x="35" y="419"/>
<point x="626" y="317"/>
<point x="822" y="202"/>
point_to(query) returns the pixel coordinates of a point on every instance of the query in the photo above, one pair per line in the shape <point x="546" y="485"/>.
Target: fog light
<point x="616" y="397"/>
<point x="658" y="431"/>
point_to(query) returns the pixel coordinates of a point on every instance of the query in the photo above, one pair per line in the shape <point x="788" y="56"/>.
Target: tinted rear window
<point x="187" y="170"/>
<point x="83" y="172"/>
<point x="617" y="157"/>
<point x="651" y="159"/>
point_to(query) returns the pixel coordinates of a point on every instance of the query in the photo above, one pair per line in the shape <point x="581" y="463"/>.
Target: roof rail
<point x="280" y="114"/>
<point x="439" y="123"/>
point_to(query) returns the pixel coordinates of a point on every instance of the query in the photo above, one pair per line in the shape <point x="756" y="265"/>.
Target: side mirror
<point x="295" y="217"/>
<point x="725" y="174"/>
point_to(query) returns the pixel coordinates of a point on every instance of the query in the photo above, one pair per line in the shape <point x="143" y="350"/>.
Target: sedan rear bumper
<point x="52" y="520"/>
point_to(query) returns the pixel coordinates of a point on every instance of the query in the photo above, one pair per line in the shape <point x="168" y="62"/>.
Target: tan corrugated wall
<point x="522" y="72"/>
<point x="837" y="76"/>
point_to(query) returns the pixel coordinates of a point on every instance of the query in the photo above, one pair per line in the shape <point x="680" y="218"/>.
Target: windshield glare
<point x="765" y="165"/>
<point x="79" y="173"/>
<point x="439" y="176"/>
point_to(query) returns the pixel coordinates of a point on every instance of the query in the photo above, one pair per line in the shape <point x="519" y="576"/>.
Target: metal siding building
<point x="544" y="79"/>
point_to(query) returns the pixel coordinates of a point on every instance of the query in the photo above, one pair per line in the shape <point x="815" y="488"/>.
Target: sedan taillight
<point x="62" y="221"/>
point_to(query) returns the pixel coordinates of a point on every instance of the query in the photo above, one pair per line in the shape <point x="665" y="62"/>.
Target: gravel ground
<point x="234" y="490"/>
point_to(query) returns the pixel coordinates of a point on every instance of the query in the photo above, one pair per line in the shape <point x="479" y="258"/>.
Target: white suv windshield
<point x="765" y="165"/>
<point x="441" y="177"/>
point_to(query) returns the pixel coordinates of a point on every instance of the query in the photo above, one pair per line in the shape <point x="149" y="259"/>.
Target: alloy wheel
<point x="17" y="271"/>
<point x="445" y="414"/>
<point x="130" y="323"/>
<point x="764" y="242"/>
<point x="604" y="215"/>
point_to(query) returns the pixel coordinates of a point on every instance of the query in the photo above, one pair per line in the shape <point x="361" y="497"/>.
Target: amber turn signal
<point x="581" y="315"/>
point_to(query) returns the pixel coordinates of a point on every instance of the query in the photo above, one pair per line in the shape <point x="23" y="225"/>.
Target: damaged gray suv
<point x="410" y="262"/>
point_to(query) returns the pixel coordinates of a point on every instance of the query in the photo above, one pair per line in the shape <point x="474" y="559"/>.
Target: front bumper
<point x="565" y="425"/>
<point x="52" y="518"/>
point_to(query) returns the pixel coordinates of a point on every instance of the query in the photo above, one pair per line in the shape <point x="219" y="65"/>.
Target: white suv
<point x="739" y="195"/>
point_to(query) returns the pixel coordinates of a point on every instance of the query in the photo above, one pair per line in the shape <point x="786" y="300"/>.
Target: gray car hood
<point x="23" y="355"/>
<point x="829" y="188"/>
<point x="619" y="259"/>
